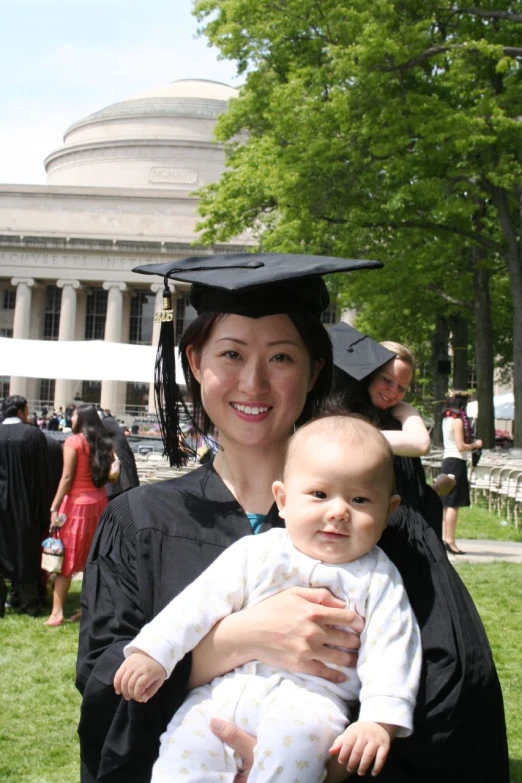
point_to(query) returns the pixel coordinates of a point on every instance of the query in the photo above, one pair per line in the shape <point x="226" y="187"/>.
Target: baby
<point x="335" y="497"/>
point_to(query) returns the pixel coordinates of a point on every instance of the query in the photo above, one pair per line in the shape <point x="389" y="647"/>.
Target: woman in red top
<point x="81" y="497"/>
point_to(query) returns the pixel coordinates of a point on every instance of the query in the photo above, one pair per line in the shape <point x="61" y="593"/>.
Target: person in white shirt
<point x="459" y="442"/>
<point x="335" y="497"/>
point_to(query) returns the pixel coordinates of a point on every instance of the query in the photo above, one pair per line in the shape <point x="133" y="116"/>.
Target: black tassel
<point x="170" y="406"/>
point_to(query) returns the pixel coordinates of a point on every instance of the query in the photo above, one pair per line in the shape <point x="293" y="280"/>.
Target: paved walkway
<point x="477" y="551"/>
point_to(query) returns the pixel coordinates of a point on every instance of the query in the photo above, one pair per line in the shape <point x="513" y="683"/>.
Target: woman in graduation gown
<point x="373" y="378"/>
<point x="255" y="371"/>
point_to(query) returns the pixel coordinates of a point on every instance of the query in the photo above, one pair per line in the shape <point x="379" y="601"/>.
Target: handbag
<point x="114" y="472"/>
<point x="52" y="553"/>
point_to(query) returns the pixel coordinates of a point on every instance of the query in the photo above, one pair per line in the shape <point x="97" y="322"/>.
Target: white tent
<point x="92" y="360"/>
<point x="504" y="407"/>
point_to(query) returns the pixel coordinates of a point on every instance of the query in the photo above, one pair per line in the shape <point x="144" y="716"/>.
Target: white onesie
<point x="295" y="717"/>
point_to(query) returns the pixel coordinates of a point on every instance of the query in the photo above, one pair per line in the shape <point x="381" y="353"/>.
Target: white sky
<point x="61" y="60"/>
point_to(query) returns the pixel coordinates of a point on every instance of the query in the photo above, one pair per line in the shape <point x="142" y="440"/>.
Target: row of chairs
<point x="154" y="467"/>
<point x="500" y="486"/>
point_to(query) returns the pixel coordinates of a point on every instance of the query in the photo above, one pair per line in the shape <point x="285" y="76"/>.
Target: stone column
<point x="21" y="325"/>
<point x="64" y="389"/>
<point x="113" y="392"/>
<point x="157" y="288"/>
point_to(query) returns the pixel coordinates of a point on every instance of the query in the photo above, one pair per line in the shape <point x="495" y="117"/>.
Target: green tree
<point x="388" y="130"/>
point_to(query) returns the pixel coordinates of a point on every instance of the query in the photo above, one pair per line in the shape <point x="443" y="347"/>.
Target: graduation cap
<point x="355" y="356"/>
<point x="247" y="284"/>
<point x="256" y="284"/>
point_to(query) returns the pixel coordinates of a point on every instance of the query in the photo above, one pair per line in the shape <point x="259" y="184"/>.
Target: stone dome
<point x="161" y="138"/>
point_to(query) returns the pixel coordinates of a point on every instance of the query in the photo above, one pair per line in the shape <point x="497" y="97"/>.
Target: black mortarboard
<point x="248" y="284"/>
<point x="256" y="284"/>
<point x="355" y="356"/>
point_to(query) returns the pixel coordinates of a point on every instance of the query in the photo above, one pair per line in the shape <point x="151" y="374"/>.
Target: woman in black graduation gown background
<point x="373" y="379"/>
<point x="257" y="372"/>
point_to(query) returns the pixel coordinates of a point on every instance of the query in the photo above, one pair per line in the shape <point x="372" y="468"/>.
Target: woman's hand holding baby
<point x="300" y="629"/>
<point x="305" y="630"/>
<point x="361" y="744"/>
<point x="139" y="677"/>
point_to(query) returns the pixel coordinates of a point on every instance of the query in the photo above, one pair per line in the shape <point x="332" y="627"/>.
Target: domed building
<point x="120" y="192"/>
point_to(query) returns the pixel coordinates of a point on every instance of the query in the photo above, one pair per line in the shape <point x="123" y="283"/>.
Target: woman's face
<point x="390" y="384"/>
<point x="74" y="419"/>
<point x="254" y="374"/>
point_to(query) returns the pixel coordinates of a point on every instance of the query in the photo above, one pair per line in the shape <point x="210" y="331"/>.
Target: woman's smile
<point x="252" y="411"/>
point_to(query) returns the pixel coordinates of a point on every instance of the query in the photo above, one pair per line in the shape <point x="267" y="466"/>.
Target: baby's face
<point x="335" y="499"/>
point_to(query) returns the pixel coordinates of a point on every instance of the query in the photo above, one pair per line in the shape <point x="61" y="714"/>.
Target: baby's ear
<point x="278" y="490"/>
<point x="393" y="503"/>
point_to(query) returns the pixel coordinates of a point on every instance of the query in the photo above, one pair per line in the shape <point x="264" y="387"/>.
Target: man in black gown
<point x="24" y="503"/>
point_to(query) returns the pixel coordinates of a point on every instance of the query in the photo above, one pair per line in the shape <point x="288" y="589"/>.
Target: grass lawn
<point x="478" y="522"/>
<point x="496" y="589"/>
<point x="38" y="701"/>
<point x="39" y="704"/>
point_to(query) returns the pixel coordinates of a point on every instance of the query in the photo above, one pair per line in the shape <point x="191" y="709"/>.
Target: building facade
<point x="120" y="192"/>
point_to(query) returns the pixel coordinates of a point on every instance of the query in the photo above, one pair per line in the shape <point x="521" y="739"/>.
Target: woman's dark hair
<point x="99" y="440"/>
<point x="455" y="403"/>
<point x="314" y="336"/>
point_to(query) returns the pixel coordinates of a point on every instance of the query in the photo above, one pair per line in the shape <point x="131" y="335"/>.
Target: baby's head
<point x="338" y="488"/>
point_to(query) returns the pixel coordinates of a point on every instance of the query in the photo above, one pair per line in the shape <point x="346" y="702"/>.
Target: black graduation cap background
<point x="355" y="356"/>
<point x="250" y="284"/>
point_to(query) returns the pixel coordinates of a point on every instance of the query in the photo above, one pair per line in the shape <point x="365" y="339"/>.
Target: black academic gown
<point x="459" y="726"/>
<point x="128" y="477"/>
<point x="55" y="449"/>
<point x="415" y="491"/>
<point x="153" y="541"/>
<point x="24" y="501"/>
<point x="150" y="544"/>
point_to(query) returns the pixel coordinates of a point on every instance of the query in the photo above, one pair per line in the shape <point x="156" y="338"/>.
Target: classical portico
<point x="120" y="193"/>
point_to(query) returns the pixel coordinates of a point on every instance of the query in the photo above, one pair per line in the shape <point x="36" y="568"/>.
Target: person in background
<point x="373" y="379"/>
<point x="24" y="505"/>
<point x="80" y="498"/>
<point x="128" y="477"/>
<point x="459" y="443"/>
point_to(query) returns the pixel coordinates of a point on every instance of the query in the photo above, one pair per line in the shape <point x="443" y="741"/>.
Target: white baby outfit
<point x="295" y="717"/>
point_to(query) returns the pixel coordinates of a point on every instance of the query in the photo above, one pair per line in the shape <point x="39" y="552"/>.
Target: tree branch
<point x="450" y="299"/>
<point x="427" y="226"/>
<point x="433" y="51"/>
<point x="507" y="15"/>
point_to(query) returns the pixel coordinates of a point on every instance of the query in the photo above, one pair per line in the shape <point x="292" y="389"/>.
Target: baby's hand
<point x="139" y="677"/>
<point x="361" y="743"/>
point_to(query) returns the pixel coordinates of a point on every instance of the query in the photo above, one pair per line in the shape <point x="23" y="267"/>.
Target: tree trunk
<point x="459" y="339"/>
<point x="441" y="373"/>
<point x="483" y="349"/>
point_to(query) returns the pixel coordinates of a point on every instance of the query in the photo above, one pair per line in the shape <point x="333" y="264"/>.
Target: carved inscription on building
<point x="66" y="261"/>
<point x="173" y="176"/>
